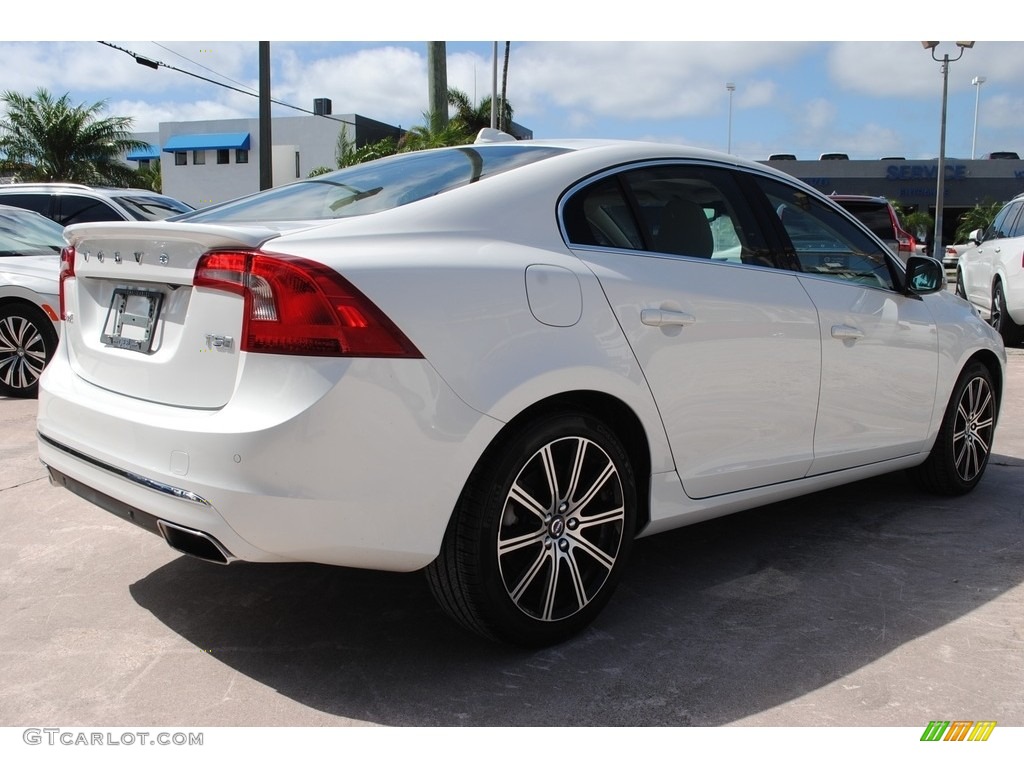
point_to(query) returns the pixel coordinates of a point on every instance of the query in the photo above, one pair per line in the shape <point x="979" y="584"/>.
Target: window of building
<point x="198" y="157"/>
<point x="181" y="158"/>
<point x="241" y="156"/>
<point x="143" y="164"/>
<point x="223" y="157"/>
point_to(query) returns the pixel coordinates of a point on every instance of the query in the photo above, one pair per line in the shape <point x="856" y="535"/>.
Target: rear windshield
<point x="152" y="207"/>
<point x="874" y="215"/>
<point x="23" y="233"/>
<point x="376" y="186"/>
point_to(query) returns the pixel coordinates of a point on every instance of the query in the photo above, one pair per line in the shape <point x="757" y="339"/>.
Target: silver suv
<point x="76" y="203"/>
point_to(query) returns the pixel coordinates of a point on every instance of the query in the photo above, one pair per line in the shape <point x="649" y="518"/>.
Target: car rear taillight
<point x="67" y="269"/>
<point x="298" y="307"/>
<point x="906" y="241"/>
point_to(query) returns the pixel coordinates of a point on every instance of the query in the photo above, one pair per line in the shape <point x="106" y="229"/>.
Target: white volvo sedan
<point x="502" y="363"/>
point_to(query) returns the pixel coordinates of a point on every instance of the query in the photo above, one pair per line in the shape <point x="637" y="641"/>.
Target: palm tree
<point x="149" y="177"/>
<point x="53" y="140"/>
<point x="504" y="119"/>
<point x="424" y="137"/>
<point x="475" y="118"/>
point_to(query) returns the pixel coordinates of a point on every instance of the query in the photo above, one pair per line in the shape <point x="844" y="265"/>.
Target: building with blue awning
<point x="209" y="161"/>
<point x="199" y="141"/>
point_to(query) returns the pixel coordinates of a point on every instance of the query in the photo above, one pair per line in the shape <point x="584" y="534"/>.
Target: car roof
<point x="60" y="186"/>
<point x="609" y="152"/>
<point x="860" y="198"/>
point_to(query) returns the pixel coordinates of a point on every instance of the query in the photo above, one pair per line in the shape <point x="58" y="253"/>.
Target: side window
<point x="78" y="210"/>
<point x="1003" y="222"/>
<point x="681" y="210"/>
<point x="1018" y="227"/>
<point x="40" y="203"/>
<point x="824" y="241"/>
<point x="600" y="215"/>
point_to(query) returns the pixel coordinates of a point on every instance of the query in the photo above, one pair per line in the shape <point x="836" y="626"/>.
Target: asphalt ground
<point x="868" y="605"/>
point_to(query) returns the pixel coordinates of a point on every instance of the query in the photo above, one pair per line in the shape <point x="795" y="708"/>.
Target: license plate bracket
<point x="131" y="319"/>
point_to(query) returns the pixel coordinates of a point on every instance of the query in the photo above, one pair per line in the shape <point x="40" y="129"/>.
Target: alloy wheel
<point x="23" y="352"/>
<point x="561" y="529"/>
<point x="973" y="428"/>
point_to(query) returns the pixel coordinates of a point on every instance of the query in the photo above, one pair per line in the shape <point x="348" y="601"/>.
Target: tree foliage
<point x="347" y="153"/>
<point x="149" y="177"/>
<point x="51" y="139"/>
<point x="423" y="136"/>
<point x="473" y="118"/>
<point x="978" y="217"/>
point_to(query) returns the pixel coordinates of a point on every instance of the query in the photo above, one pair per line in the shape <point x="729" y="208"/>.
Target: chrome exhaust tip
<point x="195" y="543"/>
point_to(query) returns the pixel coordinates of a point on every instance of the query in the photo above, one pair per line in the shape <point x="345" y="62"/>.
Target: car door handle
<point x="846" y="333"/>
<point x="659" y="318"/>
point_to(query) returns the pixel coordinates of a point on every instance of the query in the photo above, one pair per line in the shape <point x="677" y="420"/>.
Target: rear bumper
<point x="358" y="465"/>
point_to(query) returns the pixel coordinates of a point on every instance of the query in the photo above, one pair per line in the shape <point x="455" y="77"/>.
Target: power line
<point x="201" y="66"/>
<point x="154" y="64"/>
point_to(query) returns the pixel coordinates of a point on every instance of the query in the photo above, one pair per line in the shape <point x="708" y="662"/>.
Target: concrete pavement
<point x="872" y="604"/>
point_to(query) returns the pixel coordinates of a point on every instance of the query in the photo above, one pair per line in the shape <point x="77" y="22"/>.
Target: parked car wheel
<point x="960" y="290"/>
<point x="541" y="533"/>
<point x="27" y="342"/>
<point x="962" y="447"/>
<point x="1001" y="320"/>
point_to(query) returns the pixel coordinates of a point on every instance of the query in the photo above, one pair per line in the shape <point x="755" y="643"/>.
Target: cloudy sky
<point x="869" y="99"/>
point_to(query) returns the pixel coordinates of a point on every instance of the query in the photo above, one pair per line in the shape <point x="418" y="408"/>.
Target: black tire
<point x="27" y="343"/>
<point x="960" y="290"/>
<point x="958" y="459"/>
<point x="541" y="533"/>
<point x="1001" y="320"/>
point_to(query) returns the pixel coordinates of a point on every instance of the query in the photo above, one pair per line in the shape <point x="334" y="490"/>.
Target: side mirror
<point x="924" y="275"/>
<point x="976" y="236"/>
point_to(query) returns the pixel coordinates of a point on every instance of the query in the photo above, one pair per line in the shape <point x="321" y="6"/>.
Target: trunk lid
<point x="136" y="323"/>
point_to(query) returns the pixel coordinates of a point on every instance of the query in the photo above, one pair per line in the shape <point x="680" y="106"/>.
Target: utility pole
<point x="266" y="148"/>
<point x="437" y="85"/>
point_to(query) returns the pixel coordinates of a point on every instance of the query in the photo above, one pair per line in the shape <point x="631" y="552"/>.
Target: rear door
<point x="729" y="344"/>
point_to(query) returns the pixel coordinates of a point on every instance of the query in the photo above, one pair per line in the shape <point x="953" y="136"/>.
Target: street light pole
<point x="731" y="88"/>
<point x="977" y="81"/>
<point x="940" y="175"/>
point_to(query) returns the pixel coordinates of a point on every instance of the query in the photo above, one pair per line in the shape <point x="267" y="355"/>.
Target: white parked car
<point x="30" y="247"/>
<point x="952" y="255"/>
<point x="990" y="273"/>
<point x="501" y="363"/>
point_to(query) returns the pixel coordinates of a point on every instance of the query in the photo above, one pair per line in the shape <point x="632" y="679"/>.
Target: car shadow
<point x="712" y="623"/>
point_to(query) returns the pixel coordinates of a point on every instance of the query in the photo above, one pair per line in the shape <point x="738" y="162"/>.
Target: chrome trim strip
<point x="145" y="482"/>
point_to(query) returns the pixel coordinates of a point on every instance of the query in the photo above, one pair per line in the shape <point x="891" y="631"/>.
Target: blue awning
<point x="207" y="141"/>
<point x="148" y="153"/>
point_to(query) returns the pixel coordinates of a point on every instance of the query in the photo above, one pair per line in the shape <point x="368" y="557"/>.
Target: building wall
<point x="314" y="138"/>
<point x="913" y="183"/>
